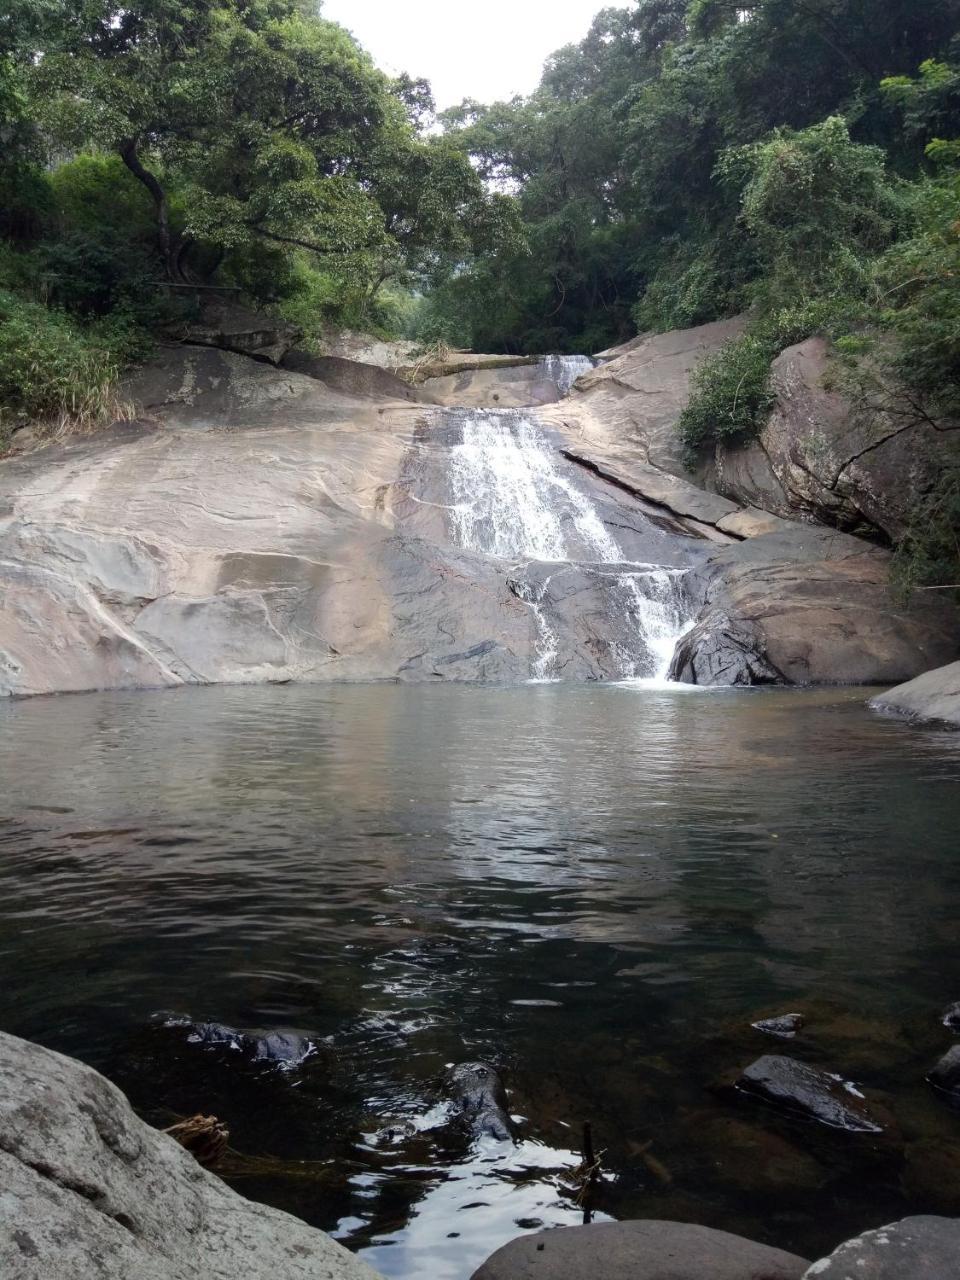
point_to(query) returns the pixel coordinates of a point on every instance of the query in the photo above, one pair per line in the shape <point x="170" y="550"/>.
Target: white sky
<point x="484" y="49"/>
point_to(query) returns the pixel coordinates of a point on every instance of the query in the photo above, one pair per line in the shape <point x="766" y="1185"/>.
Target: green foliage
<point x="51" y="370"/>
<point x="929" y="554"/>
<point x="817" y="207"/>
<point x="731" y="398"/>
<point x="731" y="395"/>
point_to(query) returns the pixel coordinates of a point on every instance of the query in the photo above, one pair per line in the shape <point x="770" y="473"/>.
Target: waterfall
<point x="565" y="370"/>
<point x="512" y="500"/>
<point x="515" y="499"/>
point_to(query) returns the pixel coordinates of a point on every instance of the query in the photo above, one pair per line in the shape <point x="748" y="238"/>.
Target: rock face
<point x="632" y="400"/>
<point x="647" y="1250"/>
<point x="89" y="1190"/>
<point x="820" y="457"/>
<point x="922" y="1248"/>
<point x="798" y="1088"/>
<point x="808" y="606"/>
<point x="233" y="327"/>
<point x="263" y="523"/>
<point x="933" y="696"/>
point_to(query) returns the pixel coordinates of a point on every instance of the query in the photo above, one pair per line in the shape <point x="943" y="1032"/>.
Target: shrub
<point x="929" y="553"/>
<point x="51" y="370"/>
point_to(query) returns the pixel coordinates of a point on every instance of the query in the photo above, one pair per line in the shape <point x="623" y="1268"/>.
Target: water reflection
<point x="598" y="888"/>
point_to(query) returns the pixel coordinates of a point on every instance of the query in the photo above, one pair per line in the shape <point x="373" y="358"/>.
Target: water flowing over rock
<point x="321" y="520"/>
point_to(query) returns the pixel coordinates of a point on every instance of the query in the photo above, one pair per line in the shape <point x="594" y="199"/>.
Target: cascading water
<point x="565" y="370"/>
<point x="514" y="499"/>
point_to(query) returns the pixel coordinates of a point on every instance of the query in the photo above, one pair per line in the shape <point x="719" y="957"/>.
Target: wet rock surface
<point x="921" y="1248"/>
<point x="784" y="1026"/>
<point x="935" y="695"/>
<point x="647" y="1250"/>
<point x="945" y="1076"/>
<point x="480" y="1099"/>
<point x="951" y="1018"/>
<point x="283" y="1049"/>
<point x="89" y="1190"/>
<point x="800" y="1089"/>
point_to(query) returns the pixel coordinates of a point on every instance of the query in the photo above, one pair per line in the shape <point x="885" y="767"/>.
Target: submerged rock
<point x="785" y="1025"/>
<point x="283" y="1049"/>
<point x="945" y="1076"/>
<point x="796" y="1087"/>
<point x="921" y="1248"/>
<point x="647" y="1250"/>
<point x="90" y="1190"/>
<point x="481" y="1100"/>
<point x="951" y="1017"/>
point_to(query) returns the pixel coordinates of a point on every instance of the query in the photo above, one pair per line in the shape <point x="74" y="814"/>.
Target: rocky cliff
<point x="275" y="517"/>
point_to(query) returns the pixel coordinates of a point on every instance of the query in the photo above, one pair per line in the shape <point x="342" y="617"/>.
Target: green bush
<point x="51" y="370"/>
<point x="929" y="553"/>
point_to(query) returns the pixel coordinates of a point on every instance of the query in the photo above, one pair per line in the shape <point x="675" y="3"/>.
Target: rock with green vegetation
<point x="89" y="1189"/>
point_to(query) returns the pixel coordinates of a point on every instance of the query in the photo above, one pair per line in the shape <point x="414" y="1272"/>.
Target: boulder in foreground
<point x="922" y="1248"/>
<point x="644" y="1250"/>
<point x="90" y="1190"/>
<point x="933" y="696"/>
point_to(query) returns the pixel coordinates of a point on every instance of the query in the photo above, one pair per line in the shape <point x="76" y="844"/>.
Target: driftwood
<point x="205" y="1137"/>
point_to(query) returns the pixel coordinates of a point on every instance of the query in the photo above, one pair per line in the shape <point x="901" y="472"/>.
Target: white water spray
<point x="513" y="499"/>
<point x="565" y="370"/>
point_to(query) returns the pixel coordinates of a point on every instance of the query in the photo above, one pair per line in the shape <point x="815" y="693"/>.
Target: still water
<point x="595" y="888"/>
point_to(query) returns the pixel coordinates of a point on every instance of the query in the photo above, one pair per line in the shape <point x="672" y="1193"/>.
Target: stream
<point x="597" y="888"/>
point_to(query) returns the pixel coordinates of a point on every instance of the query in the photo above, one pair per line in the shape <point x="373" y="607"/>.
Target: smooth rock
<point x="921" y="1248"/>
<point x="234" y="327"/>
<point x="750" y="523"/>
<point x="283" y="1049"/>
<point x="945" y="1076"/>
<point x="803" y="1090"/>
<point x="481" y="1100"/>
<point x="785" y="1026"/>
<point x="808" y="605"/>
<point x="679" y="496"/>
<point x="88" y="1190"/>
<point x="822" y="456"/>
<point x="935" y="695"/>
<point x="644" y="1250"/>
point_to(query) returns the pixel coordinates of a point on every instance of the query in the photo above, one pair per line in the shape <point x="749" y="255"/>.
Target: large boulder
<point x="235" y="327"/>
<point x="646" y="1250"/>
<point x="808" y="605"/>
<point x="89" y="1190"/>
<point x="935" y="695"/>
<point x="824" y="457"/>
<point x="922" y="1248"/>
<point x="629" y="405"/>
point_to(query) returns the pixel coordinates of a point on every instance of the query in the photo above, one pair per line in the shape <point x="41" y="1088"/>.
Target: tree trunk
<point x="128" y="153"/>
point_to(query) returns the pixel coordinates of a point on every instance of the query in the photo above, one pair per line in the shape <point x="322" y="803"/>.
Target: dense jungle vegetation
<point x="798" y="160"/>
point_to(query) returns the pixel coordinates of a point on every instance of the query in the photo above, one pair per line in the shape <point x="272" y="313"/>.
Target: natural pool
<point x="597" y="888"/>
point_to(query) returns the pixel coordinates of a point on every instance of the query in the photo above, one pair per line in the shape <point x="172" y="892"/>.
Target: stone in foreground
<point x="646" y="1250"/>
<point x="785" y="1026"/>
<point x="922" y="1248"/>
<point x="945" y="1077"/>
<point x="797" y="1087"/>
<point x="933" y="696"/>
<point x="90" y="1190"/>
